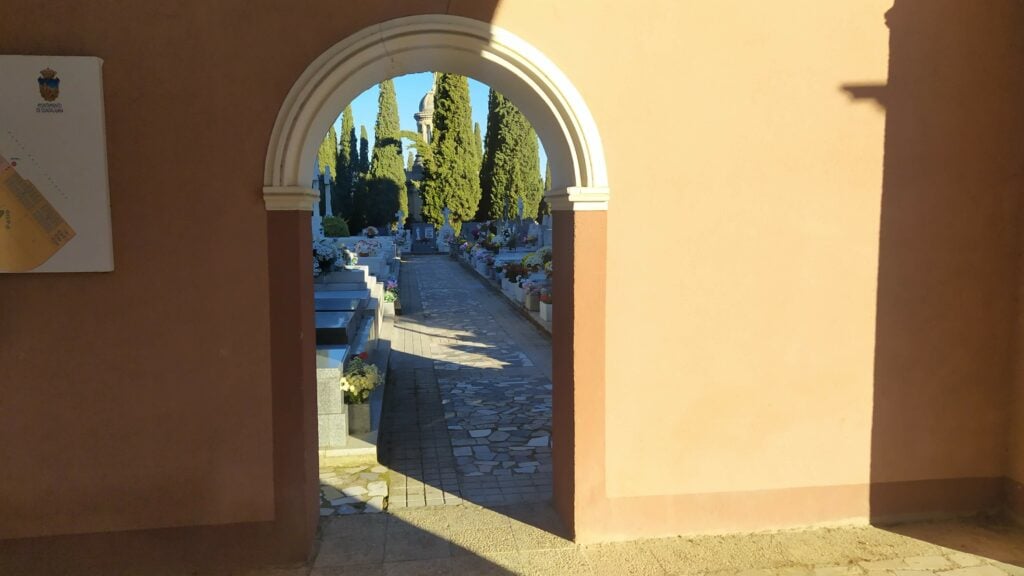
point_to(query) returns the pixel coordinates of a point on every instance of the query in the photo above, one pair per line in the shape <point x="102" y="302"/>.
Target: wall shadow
<point x="948" y="256"/>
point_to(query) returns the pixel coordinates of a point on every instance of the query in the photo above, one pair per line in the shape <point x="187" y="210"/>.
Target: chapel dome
<point x="427" y="103"/>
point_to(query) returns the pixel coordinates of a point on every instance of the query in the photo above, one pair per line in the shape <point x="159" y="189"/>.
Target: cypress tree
<point x="511" y="166"/>
<point x="360" y="204"/>
<point x="364" y="150"/>
<point x="453" y="179"/>
<point x="327" y="156"/>
<point x="544" y="208"/>
<point x="386" y="178"/>
<point x="478" y="145"/>
<point x="342" y="200"/>
<point x="533" y="183"/>
<point x="486" y="211"/>
<point x="409" y="161"/>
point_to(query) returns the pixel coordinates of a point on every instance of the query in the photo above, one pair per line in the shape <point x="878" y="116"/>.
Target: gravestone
<point x="546" y="228"/>
<point x="328" y="188"/>
<point x="421" y="235"/>
<point x="534" y="229"/>
<point x="446" y="234"/>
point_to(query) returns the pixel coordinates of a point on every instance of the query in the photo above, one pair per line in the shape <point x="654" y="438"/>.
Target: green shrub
<point x="335" y="227"/>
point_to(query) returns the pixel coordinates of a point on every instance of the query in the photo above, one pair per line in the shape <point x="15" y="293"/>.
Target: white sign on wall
<point x="54" y="193"/>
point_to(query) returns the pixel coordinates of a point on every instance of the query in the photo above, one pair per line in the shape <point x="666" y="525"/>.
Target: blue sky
<point x="410" y="90"/>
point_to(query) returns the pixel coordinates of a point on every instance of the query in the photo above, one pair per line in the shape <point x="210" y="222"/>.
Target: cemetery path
<point x="469" y="410"/>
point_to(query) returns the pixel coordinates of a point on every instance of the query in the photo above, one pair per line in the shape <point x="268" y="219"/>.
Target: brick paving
<point x="469" y="409"/>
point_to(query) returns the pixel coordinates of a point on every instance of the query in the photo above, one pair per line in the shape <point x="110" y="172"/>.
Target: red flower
<point x="363" y="355"/>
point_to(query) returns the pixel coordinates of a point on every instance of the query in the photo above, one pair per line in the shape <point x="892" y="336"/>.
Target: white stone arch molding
<point x="451" y="44"/>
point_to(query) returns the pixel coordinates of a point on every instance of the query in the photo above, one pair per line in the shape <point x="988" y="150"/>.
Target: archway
<point x="579" y="198"/>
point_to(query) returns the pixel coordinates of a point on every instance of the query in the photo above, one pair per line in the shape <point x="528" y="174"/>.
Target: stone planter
<point x="389" y="308"/>
<point x="358" y="418"/>
<point x="532" y="301"/>
<point x="518" y="293"/>
<point x="545" y="311"/>
<point x="481" y="268"/>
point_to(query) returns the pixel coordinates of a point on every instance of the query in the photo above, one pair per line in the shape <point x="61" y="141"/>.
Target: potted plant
<point x="359" y="380"/>
<point x="390" y="296"/>
<point x="544" y="304"/>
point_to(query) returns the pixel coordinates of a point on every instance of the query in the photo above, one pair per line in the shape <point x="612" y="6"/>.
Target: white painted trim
<point x="453" y="44"/>
<point x="290" y="198"/>
<point x="577" y="198"/>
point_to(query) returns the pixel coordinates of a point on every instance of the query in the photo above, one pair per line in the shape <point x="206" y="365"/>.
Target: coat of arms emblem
<point x="49" y="85"/>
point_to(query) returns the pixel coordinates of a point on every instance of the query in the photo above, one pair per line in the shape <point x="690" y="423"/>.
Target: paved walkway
<point x="522" y="540"/>
<point x="469" y="414"/>
<point x="467" y="444"/>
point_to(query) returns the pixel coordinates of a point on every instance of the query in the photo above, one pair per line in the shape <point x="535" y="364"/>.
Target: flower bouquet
<point x="325" y="254"/>
<point x="357" y="383"/>
<point x="544" y="305"/>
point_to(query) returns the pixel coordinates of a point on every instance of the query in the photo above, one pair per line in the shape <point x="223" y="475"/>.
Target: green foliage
<point x="409" y="159"/>
<point x="511" y="165"/>
<point x="485" y="208"/>
<point x="335" y="227"/>
<point x="453" y="177"/>
<point x="359" y="381"/>
<point x="328" y="152"/>
<point x="327" y="157"/>
<point x="342" y="201"/>
<point x="360" y="204"/>
<point x="478" y="145"/>
<point x="544" y="208"/>
<point x="364" y="151"/>
<point x="386" y="178"/>
<point x="419" y="144"/>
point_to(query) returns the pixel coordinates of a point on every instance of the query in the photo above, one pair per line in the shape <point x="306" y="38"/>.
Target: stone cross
<point x="318" y="224"/>
<point x="446" y="213"/>
<point x="328" y="188"/>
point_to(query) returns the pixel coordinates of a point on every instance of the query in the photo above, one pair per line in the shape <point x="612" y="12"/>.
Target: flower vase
<point x="358" y="418"/>
<point x="545" y="311"/>
<point x="389" y="308"/>
<point x="532" y="301"/>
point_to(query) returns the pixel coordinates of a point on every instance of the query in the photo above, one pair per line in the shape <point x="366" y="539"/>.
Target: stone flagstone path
<point x="352" y="489"/>
<point x="469" y="415"/>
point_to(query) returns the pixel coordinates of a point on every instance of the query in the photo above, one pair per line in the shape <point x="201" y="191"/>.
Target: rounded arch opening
<point x="579" y="197"/>
<point x="452" y="44"/>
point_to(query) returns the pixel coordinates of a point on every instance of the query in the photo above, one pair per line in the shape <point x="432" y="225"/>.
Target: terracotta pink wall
<point x="142" y="398"/>
<point x="827" y="234"/>
<point x="768" y="279"/>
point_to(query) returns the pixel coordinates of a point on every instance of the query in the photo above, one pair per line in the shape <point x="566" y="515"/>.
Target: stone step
<point x="335" y="327"/>
<point x="341" y="302"/>
<point x="350" y="274"/>
<point x="339" y="287"/>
